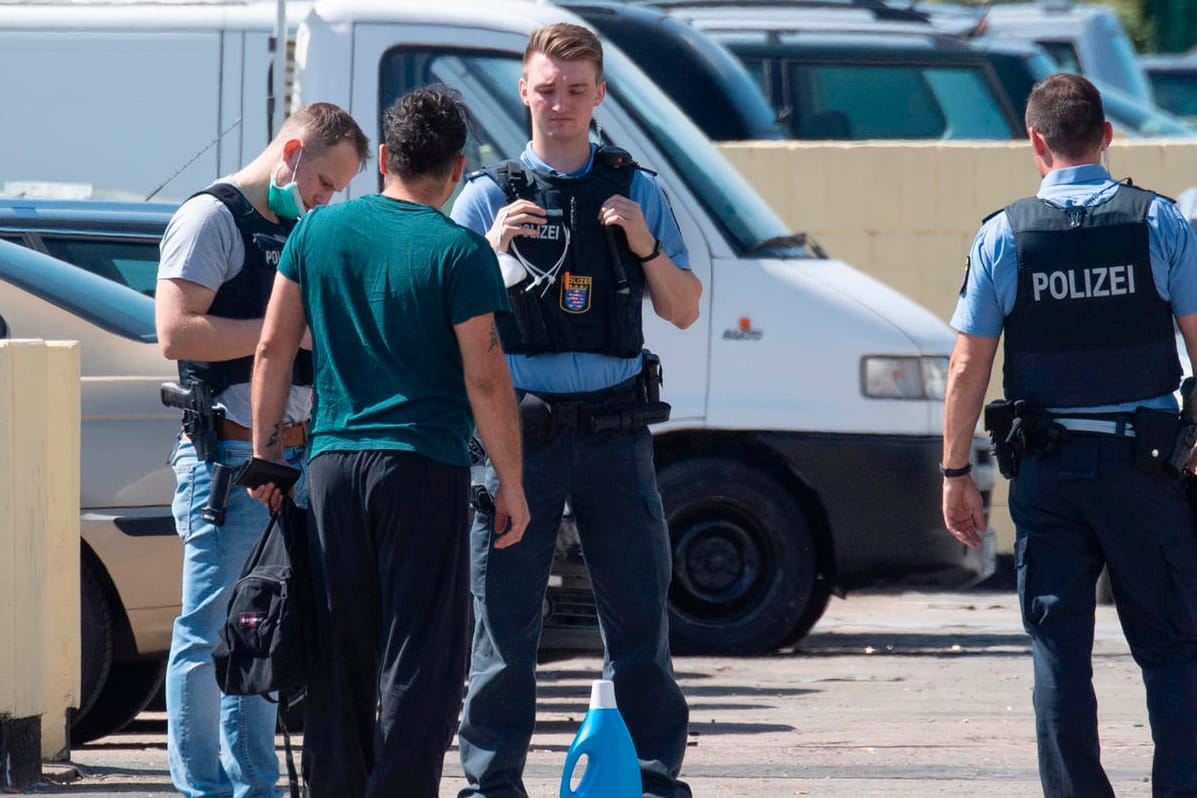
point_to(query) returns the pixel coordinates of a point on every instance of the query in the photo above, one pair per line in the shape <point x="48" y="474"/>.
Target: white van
<point x="807" y="400"/>
<point x="124" y="100"/>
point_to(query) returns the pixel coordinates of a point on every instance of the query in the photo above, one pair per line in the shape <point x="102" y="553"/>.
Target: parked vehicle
<point x="130" y="557"/>
<point x="706" y="81"/>
<point x="126" y="99"/>
<point x="116" y="240"/>
<point x="1086" y="38"/>
<point x="758" y="466"/>
<point x="1021" y="64"/>
<point x="851" y="73"/>
<point x="1174" y="83"/>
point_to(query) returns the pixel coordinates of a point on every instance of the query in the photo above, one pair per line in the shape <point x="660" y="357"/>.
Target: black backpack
<point x="267" y="641"/>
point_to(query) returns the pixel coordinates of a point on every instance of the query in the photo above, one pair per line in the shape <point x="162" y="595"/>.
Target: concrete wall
<point x="39" y="546"/>
<point x="906" y="212"/>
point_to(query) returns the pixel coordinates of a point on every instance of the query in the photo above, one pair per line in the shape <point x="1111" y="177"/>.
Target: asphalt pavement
<point x="893" y="694"/>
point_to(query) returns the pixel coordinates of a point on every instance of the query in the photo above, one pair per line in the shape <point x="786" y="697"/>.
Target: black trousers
<point x="1078" y="509"/>
<point x="390" y="559"/>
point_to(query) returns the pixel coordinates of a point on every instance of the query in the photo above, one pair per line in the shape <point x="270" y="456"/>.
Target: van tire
<point x="743" y="558"/>
<point x="128" y="689"/>
<point x="95" y="643"/>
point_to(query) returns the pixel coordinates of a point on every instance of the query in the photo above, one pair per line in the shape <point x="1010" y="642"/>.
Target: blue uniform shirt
<point x="572" y="372"/>
<point x="991" y="282"/>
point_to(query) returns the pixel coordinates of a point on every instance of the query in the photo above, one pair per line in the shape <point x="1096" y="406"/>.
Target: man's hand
<point x="511" y="516"/>
<point x="620" y="211"/>
<point x="963" y="511"/>
<point x="511" y="223"/>
<point x="268" y="495"/>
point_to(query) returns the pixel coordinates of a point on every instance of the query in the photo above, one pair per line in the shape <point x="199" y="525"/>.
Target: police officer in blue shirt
<point x="582" y="235"/>
<point x="1085" y="280"/>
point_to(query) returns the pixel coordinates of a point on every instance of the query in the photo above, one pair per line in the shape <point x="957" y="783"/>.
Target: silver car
<point x="130" y="557"/>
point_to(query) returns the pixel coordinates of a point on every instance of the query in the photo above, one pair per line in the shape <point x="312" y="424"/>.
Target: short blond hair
<point x="568" y="43"/>
<point x="322" y="126"/>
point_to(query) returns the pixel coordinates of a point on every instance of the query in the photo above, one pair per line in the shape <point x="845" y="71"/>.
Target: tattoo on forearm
<point x="275" y="434"/>
<point x="494" y="336"/>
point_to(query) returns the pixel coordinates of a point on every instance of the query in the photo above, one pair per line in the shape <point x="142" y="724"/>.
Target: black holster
<point x="542" y="418"/>
<point x="1017" y="430"/>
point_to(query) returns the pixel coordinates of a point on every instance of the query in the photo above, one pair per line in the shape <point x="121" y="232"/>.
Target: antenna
<point x="179" y="171"/>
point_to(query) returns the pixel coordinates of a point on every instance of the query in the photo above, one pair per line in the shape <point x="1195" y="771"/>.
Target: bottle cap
<point x="602" y="694"/>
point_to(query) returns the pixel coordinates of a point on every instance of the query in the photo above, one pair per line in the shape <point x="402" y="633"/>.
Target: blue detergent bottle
<point x="612" y="768"/>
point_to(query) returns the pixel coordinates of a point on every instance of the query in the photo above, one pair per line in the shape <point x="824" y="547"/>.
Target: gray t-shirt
<point x="202" y="245"/>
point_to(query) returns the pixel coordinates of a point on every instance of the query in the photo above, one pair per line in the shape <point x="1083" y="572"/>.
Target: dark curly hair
<point x="425" y="130"/>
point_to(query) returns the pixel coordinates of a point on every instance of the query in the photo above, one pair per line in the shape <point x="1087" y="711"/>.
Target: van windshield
<point x="488" y="81"/>
<point x="748" y="222"/>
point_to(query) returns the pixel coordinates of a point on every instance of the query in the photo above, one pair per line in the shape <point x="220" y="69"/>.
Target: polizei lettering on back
<point x="1099" y="281"/>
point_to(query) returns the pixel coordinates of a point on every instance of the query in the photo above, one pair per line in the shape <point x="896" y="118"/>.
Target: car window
<point x="488" y="84"/>
<point x="102" y="302"/>
<point x="1063" y="53"/>
<point x="1176" y="92"/>
<point x="130" y="262"/>
<point x="871" y="101"/>
<point x="15" y="239"/>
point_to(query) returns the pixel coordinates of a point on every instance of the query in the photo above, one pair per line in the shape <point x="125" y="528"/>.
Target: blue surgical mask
<point x="286" y="201"/>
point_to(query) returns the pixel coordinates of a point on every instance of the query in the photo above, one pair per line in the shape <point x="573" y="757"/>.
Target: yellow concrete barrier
<point x="39" y="552"/>
<point x="906" y="212"/>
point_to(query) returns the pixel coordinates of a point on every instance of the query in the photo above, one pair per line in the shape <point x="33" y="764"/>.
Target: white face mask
<point x="286" y="201"/>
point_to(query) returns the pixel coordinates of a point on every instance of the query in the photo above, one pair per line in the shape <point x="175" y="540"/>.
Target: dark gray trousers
<point x="611" y="484"/>
<point x="390" y="558"/>
<point x="1083" y="507"/>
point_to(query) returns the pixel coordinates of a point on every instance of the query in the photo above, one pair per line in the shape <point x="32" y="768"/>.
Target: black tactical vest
<point x="246" y="295"/>
<point x="1088" y="326"/>
<point x="595" y="301"/>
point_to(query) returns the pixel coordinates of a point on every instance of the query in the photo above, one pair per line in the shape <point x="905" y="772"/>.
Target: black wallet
<point x="258" y="472"/>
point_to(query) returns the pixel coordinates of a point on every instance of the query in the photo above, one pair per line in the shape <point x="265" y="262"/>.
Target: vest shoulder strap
<point x="232" y="198"/>
<point x="509" y="176"/>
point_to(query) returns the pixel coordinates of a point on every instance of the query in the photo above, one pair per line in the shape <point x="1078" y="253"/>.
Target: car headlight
<point x="885" y="377"/>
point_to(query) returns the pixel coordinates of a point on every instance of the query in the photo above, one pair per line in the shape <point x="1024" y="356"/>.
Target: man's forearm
<point x="968" y="379"/>
<point x="269" y="388"/>
<point x="495" y="415"/>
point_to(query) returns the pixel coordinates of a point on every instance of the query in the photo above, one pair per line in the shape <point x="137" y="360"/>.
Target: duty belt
<point x="1117" y="428"/>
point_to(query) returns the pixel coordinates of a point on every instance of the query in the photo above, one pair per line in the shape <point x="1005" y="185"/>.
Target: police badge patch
<point x="575" y="293"/>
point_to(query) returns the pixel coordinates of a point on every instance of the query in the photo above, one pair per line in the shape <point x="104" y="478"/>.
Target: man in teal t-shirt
<point x="401" y="303"/>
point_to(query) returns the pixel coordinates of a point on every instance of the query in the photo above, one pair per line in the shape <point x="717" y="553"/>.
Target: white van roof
<point x="91" y="15"/>
<point x="517" y="16"/>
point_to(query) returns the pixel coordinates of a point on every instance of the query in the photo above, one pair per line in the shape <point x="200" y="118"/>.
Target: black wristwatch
<point x="652" y="255"/>
<point x="955" y="472"/>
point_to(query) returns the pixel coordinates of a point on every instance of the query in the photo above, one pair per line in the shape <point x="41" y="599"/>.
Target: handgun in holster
<point x="648" y="410"/>
<point x="1186" y="431"/>
<point x="200" y="415"/>
<point x="1006" y="439"/>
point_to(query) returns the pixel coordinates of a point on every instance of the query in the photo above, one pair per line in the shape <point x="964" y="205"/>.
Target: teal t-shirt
<point x="383" y="284"/>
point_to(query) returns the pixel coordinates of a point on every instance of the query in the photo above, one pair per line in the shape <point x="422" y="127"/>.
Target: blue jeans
<point x="217" y="745"/>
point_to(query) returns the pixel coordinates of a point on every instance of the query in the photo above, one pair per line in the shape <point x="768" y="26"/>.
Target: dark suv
<point x="827" y="70"/>
<point x="116" y="240"/>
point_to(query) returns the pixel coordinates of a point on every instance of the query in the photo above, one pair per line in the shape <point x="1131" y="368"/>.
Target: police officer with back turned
<point x="582" y="234"/>
<point x="1085" y="280"/>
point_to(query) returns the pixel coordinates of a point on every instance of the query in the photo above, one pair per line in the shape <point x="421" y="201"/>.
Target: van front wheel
<point x="743" y="558"/>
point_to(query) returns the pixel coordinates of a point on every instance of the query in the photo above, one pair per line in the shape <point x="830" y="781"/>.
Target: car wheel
<point x="127" y="690"/>
<point x="815" y="608"/>
<point x="95" y="645"/>
<point x="743" y="558"/>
